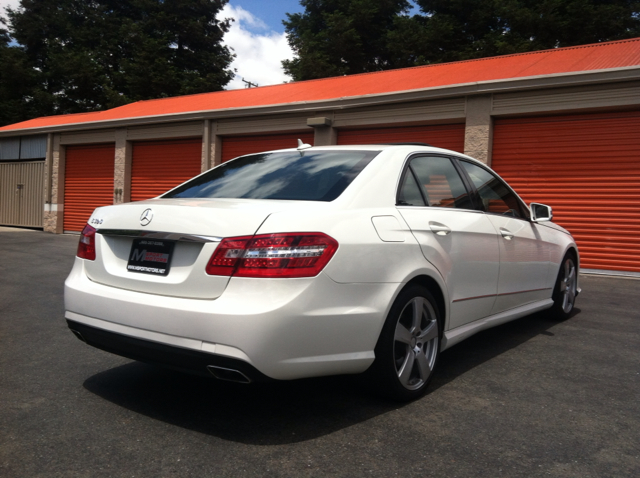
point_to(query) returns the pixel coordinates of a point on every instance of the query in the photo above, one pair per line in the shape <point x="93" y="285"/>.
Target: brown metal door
<point x="21" y="193"/>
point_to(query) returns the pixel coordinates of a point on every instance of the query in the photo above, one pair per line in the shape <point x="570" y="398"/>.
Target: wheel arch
<point x="434" y="287"/>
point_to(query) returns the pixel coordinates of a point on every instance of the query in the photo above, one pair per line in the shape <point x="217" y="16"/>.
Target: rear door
<point x="459" y="241"/>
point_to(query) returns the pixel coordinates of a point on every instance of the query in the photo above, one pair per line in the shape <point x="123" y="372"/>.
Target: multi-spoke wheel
<point x="409" y="345"/>
<point x="565" y="290"/>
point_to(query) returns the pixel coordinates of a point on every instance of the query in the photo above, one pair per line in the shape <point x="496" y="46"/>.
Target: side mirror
<point x="540" y="212"/>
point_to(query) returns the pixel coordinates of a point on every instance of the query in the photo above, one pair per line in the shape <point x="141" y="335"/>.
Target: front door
<point x="524" y="254"/>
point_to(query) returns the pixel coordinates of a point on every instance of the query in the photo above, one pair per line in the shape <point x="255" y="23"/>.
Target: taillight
<point x="302" y="254"/>
<point x="87" y="244"/>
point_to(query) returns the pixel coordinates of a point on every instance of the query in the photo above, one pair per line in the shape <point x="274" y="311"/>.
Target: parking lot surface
<point x="530" y="398"/>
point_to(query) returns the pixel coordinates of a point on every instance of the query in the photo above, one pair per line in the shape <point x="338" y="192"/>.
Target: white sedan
<point x="319" y="261"/>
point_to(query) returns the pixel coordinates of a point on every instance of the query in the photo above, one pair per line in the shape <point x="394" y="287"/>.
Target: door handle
<point x="439" y="229"/>
<point x="508" y="235"/>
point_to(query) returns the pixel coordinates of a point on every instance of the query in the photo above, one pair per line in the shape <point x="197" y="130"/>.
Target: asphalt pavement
<point x="530" y="398"/>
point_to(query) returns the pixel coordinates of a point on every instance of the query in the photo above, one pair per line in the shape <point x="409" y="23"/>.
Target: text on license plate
<point x="150" y="256"/>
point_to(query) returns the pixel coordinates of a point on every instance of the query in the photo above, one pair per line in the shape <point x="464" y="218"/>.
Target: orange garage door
<point x="88" y="182"/>
<point x="234" y="146"/>
<point x="448" y="136"/>
<point x="158" y="166"/>
<point x="587" y="168"/>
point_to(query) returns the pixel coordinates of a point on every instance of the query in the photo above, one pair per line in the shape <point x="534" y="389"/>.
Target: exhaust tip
<point x="228" y="374"/>
<point x="79" y="335"/>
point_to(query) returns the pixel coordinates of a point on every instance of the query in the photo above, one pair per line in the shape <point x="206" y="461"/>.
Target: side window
<point x="440" y="182"/>
<point x="409" y="194"/>
<point x="495" y="196"/>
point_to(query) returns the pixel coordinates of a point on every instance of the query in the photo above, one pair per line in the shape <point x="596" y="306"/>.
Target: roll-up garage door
<point x="234" y="146"/>
<point x="586" y="168"/>
<point x="158" y="166"/>
<point x="88" y="182"/>
<point x="448" y="136"/>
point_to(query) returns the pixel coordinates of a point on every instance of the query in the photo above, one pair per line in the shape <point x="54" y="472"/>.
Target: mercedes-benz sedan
<point x="319" y="261"/>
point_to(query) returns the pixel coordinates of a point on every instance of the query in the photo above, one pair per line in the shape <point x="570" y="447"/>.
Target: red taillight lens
<point x="301" y="254"/>
<point x="87" y="244"/>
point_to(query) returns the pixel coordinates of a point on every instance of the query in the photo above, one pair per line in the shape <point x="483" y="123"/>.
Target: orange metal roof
<point x="598" y="56"/>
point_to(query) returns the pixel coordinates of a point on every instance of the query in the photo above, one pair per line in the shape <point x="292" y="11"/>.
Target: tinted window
<point x="410" y="192"/>
<point x="303" y="176"/>
<point x="439" y="182"/>
<point x="495" y="195"/>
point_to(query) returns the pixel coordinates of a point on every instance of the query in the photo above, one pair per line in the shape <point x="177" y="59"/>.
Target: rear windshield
<point x="294" y="175"/>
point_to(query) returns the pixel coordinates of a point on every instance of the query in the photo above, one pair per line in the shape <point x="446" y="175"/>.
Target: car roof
<point x="406" y="148"/>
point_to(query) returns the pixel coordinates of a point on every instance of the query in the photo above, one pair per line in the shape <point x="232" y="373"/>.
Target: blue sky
<point x="271" y="12"/>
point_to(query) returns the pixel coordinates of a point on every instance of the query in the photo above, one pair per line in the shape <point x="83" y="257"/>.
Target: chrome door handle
<point x="508" y="235"/>
<point x="439" y="229"/>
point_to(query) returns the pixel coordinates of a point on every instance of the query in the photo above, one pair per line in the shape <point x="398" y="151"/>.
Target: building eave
<point x="592" y="77"/>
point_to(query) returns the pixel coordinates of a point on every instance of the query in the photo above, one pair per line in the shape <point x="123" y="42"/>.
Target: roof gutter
<point x="556" y="80"/>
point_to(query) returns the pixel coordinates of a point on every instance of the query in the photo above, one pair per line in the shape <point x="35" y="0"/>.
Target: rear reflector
<point x="87" y="244"/>
<point x="302" y="254"/>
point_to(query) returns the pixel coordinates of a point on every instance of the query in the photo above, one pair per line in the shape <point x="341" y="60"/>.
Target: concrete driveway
<point x="530" y="398"/>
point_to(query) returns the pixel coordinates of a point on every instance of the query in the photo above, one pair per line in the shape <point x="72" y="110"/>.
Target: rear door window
<point x="434" y="181"/>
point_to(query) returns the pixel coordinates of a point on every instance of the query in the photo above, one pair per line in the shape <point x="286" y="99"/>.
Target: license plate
<point x="150" y="256"/>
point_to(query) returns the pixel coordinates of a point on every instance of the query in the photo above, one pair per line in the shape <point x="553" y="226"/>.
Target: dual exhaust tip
<point x="228" y="374"/>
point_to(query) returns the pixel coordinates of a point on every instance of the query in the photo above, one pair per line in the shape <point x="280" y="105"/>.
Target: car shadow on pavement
<point x="286" y="412"/>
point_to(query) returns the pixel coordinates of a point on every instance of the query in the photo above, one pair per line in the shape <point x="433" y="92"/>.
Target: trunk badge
<point x="146" y="217"/>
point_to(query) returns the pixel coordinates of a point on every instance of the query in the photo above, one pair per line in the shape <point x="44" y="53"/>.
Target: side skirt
<point x="452" y="337"/>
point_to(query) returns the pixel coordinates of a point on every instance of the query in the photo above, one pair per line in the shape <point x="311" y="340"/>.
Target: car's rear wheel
<point x="565" y="289"/>
<point x="409" y="345"/>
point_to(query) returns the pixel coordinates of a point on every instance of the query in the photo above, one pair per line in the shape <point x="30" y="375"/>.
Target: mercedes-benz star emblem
<point x="146" y="217"/>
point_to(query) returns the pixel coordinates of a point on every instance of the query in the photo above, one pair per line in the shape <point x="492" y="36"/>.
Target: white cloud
<point x="259" y="50"/>
<point x="8" y="3"/>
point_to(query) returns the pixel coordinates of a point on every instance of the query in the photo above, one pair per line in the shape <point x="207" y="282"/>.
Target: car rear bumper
<point x="282" y="328"/>
<point x="169" y="356"/>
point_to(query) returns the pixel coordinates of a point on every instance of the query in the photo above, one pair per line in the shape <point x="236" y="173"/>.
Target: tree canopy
<point x="333" y="37"/>
<point x="341" y="37"/>
<point x="86" y="55"/>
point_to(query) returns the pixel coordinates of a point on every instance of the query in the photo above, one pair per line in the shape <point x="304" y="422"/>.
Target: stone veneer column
<point x="54" y="185"/>
<point x="215" y="146"/>
<point x="205" y="162"/>
<point x="478" y="134"/>
<point x="211" y="146"/>
<point x="122" y="168"/>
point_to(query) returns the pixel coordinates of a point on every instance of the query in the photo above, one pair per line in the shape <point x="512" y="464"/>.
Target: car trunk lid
<point x="163" y="246"/>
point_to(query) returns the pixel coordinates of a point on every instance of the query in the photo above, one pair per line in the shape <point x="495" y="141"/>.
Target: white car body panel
<point x="323" y="325"/>
<point x="462" y="256"/>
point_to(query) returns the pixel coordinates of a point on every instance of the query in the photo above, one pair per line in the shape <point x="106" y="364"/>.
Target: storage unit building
<point x="562" y="126"/>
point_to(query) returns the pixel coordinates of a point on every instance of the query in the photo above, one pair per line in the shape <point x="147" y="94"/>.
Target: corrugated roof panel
<point x="598" y="56"/>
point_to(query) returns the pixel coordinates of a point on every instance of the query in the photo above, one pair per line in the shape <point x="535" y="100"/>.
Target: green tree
<point x="94" y="54"/>
<point x="18" y="86"/>
<point x="464" y="29"/>
<point x="334" y="37"/>
<point x="341" y="37"/>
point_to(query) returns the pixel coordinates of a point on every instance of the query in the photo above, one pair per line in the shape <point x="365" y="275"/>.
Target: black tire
<point x="565" y="288"/>
<point x="408" y="348"/>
